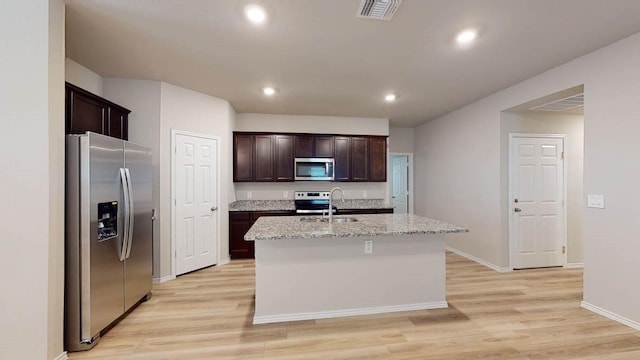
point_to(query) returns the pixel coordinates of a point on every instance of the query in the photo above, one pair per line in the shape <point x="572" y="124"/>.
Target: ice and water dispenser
<point x="107" y="220"/>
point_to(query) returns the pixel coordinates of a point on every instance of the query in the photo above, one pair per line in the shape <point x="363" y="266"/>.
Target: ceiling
<point x="323" y="60"/>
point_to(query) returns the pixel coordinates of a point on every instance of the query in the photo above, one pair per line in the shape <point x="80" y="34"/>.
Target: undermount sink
<point x="321" y="219"/>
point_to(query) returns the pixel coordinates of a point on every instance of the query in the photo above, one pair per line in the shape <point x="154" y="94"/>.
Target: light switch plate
<point x="595" y="201"/>
<point x="249" y="195"/>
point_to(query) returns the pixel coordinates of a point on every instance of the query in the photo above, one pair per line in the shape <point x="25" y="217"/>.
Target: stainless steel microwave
<point x="314" y="169"/>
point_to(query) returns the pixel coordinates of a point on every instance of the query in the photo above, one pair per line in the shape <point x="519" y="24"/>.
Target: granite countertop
<point x="291" y="227"/>
<point x="275" y="205"/>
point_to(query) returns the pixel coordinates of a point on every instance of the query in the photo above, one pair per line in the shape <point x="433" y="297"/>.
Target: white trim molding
<point x="350" y="312"/>
<point x="574" y="266"/>
<point x="163" y="279"/>
<point x="62" y="356"/>
<point x="480" y="261"/>
<point x="224" y="261"/>
<point x="608" y="314"/>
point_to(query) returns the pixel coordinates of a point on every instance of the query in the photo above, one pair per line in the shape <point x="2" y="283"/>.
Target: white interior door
<point x="537" y="224"/>
<point x="400" y="184"/>
<point x="196" y="201"/>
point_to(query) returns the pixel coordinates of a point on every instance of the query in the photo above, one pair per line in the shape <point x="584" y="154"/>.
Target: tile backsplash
<point x="284" y="191"/>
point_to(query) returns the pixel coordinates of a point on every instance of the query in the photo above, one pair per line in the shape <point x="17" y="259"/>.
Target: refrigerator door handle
<point x="131" y="213"/>
<point x="125" y="232"/>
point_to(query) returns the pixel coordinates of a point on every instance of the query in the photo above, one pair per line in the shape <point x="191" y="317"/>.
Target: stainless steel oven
<point x="314" y="169"/>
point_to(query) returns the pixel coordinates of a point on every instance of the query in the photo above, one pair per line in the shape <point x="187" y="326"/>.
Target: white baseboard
<point x="574" y="266"/>
<point x="224" y="261"/>
<point x="480" y="261"/>
<point x="351" y="312"/>
<point x="163" y="279"/>
<point x="610" y="315"/>
<point x="62" y="356"/>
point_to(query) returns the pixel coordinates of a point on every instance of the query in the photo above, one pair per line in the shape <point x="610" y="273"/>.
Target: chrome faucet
<point x="331" y="202"/>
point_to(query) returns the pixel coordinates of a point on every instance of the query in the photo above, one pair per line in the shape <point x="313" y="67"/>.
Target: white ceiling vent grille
<point x="378" y="9"/>
<point x="564" y="104"/>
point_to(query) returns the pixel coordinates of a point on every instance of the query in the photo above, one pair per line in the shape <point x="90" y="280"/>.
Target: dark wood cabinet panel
<point x="239" y="223"/>
<point x="378" y="158"/>
<point x="359" y="159"/>
<point x="283" y="157"/>
<point x="263" y="158"/>
<point x="323" y="146"/>
<point x="88" y="112"/>
<point x="307" y="146"/>
<point x="117" y="124"/>
<point x="242" y="157"/>
<point x="303" y="146"/>
<point x="342" y="158"/>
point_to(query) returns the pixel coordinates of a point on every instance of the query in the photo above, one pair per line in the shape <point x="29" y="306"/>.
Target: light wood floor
<point x="531" y="314"/>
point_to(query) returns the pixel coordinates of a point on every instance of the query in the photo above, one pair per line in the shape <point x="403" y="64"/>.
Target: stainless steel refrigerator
<point x="108" y="234"/>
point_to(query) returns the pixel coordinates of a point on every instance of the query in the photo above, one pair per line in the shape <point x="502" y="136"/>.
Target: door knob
<point x="517" y="210"/>
<point x="214" y="208"/>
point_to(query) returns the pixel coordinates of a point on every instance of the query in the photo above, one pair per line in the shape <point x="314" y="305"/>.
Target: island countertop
<point x="280" y="205"/>
<point x="291" y="227"/>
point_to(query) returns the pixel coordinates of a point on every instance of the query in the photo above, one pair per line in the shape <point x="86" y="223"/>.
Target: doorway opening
<point x="401" y="182"/>
<point x="543" y="149"/>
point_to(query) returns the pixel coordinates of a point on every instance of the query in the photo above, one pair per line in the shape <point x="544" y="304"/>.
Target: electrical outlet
<point x="364" y="193"/>
<point x="368" y="246"/>
<point x="249" y="195"/>
<point x="285" y="194"/>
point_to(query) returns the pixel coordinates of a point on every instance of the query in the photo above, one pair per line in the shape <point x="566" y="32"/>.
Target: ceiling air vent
<point x="564" y="104"/>
<point x="378" y="9"/>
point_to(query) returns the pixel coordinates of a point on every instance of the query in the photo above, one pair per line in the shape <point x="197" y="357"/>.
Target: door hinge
<point x="562" y="155"/>
<point x="564" y="249"/>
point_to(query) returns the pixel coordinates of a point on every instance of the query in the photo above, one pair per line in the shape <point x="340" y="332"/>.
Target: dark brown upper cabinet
<point x="309" y="146"/>
<point x="262" y="157"/>
<point x="342" y="158"/>
<point x="243" y="157"/>
<point x="359" y="158"/>
<point x="270" y="157"/>
<point x="88" y="112"/>
<point x="377" y="158"/>
<point x="283" y="157"/>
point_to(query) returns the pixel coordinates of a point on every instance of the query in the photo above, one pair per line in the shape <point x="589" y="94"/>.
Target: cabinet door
<point x="239" y="224"/>
<point x="117" y="123"/>
<point x="283" y="157"/>
<point x="323" y="146"/>
<point x="359" y="159"/>
<point x="342" y="158"/>
<point x="242" y="157"/>
<point x="263" y="157"/>
<point x="85" y="114"/>
<point x="378" y="158"/>
<point x="304" y="146"/>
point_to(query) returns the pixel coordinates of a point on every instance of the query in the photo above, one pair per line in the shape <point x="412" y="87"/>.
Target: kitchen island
<point x="365" y="264"/>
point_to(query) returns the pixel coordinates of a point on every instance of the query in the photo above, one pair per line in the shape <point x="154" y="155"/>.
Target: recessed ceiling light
<point x="269" y="91"/>
<point x="255" y="14"/>
<point x="466" y="37"/>
<point x="390" y="97"/>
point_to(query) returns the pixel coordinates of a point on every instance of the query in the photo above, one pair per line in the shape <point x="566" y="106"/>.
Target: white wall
<point x="142" y="97"/>
<point x="82" y="77"/>
<point x="311" y="124"/>
<point x="401" y="140"/>
<point x="550" y="123"/>
<point x="188" y="110"/>
<point x="32" y="159"/>
<point x="458" y="161"/>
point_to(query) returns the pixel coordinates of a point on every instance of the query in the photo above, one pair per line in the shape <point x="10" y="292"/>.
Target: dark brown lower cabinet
<point x="239" y="223"/>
